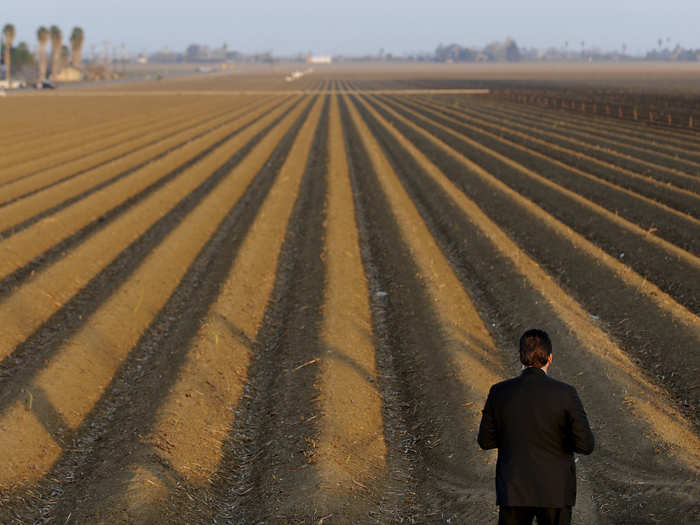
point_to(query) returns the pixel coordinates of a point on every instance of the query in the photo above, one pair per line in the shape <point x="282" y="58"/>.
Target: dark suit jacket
<point x="537" y="423"/>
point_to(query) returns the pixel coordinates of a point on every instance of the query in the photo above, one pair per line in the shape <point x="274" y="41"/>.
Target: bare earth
<point x="234" y="299"/>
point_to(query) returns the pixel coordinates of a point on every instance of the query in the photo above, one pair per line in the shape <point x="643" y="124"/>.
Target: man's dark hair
<point x="535" y="348"/>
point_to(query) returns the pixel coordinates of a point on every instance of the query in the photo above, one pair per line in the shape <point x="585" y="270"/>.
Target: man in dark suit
<point x="537" y="423"/>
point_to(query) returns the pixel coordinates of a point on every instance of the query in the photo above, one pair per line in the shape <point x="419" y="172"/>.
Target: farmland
<point x="233" y="299"/>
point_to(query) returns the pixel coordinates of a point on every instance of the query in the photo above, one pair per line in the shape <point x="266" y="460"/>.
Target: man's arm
<point x="487" y="429"/>
<point x="582" y="437"/>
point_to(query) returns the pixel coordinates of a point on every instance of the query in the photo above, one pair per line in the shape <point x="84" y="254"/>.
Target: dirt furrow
<point x="351" y="453"/>
<point x="648" y="255"/>
<point x="60" y="294"/>
<point x="38" y="119"/>
<point x="29" y="184"/>
<point x="442" y="353"/>
<point x="50" y="297"/>
<point x="23" y="144"/>
<point x="674" y="226"/>
<point x="59" y="250"/>
<point x="683" y="197"/>
<point x="602" y="153"/>
<point x="267" y="473"/>
<point x="187" y="372"/>
<point x="92" y="153"/>
<point x="647" y="152"/>
<point x="291" y="309"/>
<point x="34" y="206"/>
<point x="25" y="246"/>
<point x="402" y="457"/>
<point x="662" y="137"/>
<point x="26" y="158"/>
<point x="683" y="133"/>
<point x="642" y="439"/>
<point x="640" y="316"/>
<point x="589" y="130"/>
<point x="71" y="141"/>
<point x="80" y="369"/>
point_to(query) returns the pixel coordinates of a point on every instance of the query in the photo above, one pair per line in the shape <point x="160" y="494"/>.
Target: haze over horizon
<point x="399" y="27"/>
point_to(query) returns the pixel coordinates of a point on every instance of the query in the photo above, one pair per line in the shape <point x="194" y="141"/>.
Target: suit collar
<point x="531" y="370"/>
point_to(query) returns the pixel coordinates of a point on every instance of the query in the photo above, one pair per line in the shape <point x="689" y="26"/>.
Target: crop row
<point x="293" y="307"/>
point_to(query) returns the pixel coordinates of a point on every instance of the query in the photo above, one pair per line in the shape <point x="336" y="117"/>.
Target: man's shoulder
<point x="557" y="389"/>
<point x="505" y="384"/>
<point x="558" y="382"/>
<point x="552" y="383"/>
<point x="560" y="385"/>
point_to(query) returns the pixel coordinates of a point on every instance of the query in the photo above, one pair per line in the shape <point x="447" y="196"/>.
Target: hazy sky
<point x="361" y="26"/>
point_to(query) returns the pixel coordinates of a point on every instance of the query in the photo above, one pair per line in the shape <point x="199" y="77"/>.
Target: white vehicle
<point x="294" y="76"/>
<point x="11" y="84"/>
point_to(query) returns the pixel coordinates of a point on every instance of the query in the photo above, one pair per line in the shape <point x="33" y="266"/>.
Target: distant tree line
<point x="508" y="51"/>
<point x="204" y="54"/>
<point x="20" y="57"/>
<point x="676" y="54"/>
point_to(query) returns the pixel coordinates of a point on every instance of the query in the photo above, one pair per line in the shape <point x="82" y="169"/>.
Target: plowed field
<point x="239" y="300"/>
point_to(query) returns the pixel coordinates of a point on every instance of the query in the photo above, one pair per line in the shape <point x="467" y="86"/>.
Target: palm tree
<point x="76" y="43"/>
<point x="9" y="33"/>
<point x="42" y="35"/>
<point x="56" y="38"/>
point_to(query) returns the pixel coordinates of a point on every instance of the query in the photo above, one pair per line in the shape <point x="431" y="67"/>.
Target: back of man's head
<point x="535" y="348"/>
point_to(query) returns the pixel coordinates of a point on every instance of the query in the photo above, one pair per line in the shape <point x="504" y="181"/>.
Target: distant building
<point x="199" y="53"/>
<point x="319" y="60"/>
<point x="166" y="56"/>
<point x="69" y="74"/>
